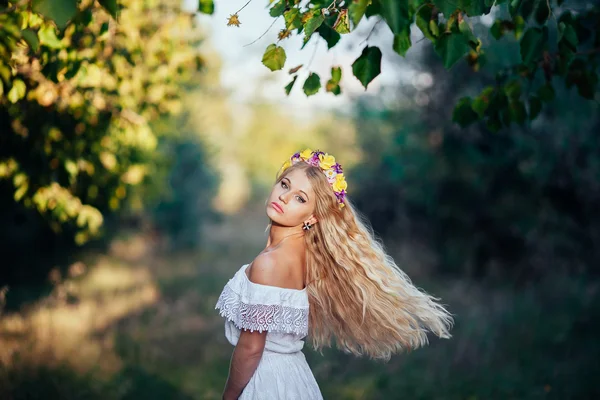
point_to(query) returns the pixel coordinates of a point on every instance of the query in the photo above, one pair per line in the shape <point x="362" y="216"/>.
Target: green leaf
<point x="47" y="36"/>
<point x="402" y="42"/>
<point x="333" y="85"/>
<point x="471" y="7"/>
<point x="422" y="20"/>
<point x="465" y="29"/>
<point x="278" y="9"/>
<point x="17" y="92"/>
<point x="519" y="26"/>
<point x="513" y="7"/>
<point x="312" y="84"/>
<point x="434" y="28"/>
<point x="330" y="36"/>
<point x="463" y="113"/>
<point x="497" y="29"/>
<point x="480" y="105"/>
<point x="396" y="15"/>
<point x="373" y="9"/>
<point x="206" y="6"/>
<point x="542" y="12"/>
<point x="451" y="47"/>
<point x="31" y="38"/>
<point x="518" y="113"/>
<point x="60" y="11"/>
<point x="342" y="25"/>
<point x="293" y="19"/>
<point x="532" y="45"/>
<point x="313" y="23"/>
<point x="526" y="8"/>
<point x="111" y="6"/>
<point x="513" y="89"/>
<point x="336" y="74"/>
<point x="368" y="65"/>
<point x="567" y="35"/>
<point x="357" y="9"/>
<point x="546" y="92"/>
<point x="290" y="85"/>
<point x="535" y="106"/>
<point x="274" y="57"/>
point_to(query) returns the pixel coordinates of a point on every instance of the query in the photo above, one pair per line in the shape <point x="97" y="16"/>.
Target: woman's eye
<point x="284" y="184"/>
<point x="301" y="199"/>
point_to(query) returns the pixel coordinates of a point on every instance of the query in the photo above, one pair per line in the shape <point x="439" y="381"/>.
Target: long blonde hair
<point x="357" y="293"/>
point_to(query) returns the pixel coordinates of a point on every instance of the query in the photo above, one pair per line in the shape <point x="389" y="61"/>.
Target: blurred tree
<point x="76" y="102"/>
<point x="557" y="38"/>
<point x="517" y="204"/>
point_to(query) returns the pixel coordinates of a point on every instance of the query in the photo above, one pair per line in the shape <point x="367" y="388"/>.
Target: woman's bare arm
<point x="245" y="359"/>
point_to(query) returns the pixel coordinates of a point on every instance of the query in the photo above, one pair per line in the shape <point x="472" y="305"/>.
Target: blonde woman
<point x="323" y="274"/>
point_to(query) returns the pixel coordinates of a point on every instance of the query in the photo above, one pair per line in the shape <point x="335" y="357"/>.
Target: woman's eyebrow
<point x="290" y="181"/>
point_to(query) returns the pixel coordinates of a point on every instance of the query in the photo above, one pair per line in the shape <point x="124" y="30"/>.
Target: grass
<point x="136" y="322"/>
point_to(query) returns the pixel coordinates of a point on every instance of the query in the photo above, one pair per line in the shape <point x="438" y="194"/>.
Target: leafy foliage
<point x="558" y="39"/>
<point x="78" y="92"/>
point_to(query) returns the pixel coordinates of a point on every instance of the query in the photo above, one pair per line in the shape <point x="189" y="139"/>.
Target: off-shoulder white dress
<point x="283" y="373"/>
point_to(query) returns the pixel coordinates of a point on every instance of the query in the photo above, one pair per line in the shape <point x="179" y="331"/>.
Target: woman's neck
<point x="278" y="234"/>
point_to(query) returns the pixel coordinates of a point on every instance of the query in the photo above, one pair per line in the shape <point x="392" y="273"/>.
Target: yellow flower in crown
<point x="326" y="161"/>
<point x="306" y="154"/>
<point x="340" y="183"/>
<point x="286" y="165"/>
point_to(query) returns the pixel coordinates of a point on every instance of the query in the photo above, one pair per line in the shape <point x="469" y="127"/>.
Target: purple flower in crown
<point x="341" y="196"/>
<point x="314" y="159"/>
<point x="337" y="168"/>
<point x="296" y="158"/>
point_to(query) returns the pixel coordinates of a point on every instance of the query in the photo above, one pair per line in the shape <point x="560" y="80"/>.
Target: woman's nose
<point x="283" y="197"/>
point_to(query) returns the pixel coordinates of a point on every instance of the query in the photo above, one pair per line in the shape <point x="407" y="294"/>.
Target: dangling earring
<point x="306" y="226"/>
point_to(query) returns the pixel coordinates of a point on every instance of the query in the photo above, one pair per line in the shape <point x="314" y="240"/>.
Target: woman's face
<point x="292" y="200"/>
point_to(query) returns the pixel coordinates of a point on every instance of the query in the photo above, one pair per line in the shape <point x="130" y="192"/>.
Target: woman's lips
<point x="277" y="207"/>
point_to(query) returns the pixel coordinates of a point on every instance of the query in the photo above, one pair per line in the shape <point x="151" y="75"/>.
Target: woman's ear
<point x="313" y="220"/>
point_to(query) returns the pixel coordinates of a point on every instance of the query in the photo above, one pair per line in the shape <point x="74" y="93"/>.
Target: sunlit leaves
<point x="274" y="57"/>
<point x="312" y="84"/>
<point x="368" y="66"/>
<point x="48" y="38"/>
<point x="452" y="47"/>
<point x="17" y="92"/>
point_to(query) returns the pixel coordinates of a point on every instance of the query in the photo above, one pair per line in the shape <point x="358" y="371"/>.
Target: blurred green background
<point x="132" y="187"/>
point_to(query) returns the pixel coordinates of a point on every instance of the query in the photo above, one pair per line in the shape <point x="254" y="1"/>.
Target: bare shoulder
<point x="275" y="269"/>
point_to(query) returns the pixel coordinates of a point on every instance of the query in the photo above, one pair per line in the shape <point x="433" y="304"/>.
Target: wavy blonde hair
<point x="357" y="294"/>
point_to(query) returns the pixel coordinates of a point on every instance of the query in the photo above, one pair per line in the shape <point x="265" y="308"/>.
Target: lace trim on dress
<point x="262" y="317"/>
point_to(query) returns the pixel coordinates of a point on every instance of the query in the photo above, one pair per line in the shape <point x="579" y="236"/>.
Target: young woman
<point x="322" y="272"/>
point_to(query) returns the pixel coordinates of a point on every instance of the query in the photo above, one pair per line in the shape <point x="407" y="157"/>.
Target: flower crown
<point x="326" y="162"/>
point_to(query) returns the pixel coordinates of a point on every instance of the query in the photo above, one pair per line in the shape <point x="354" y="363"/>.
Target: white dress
<point x="283" y="373"/>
